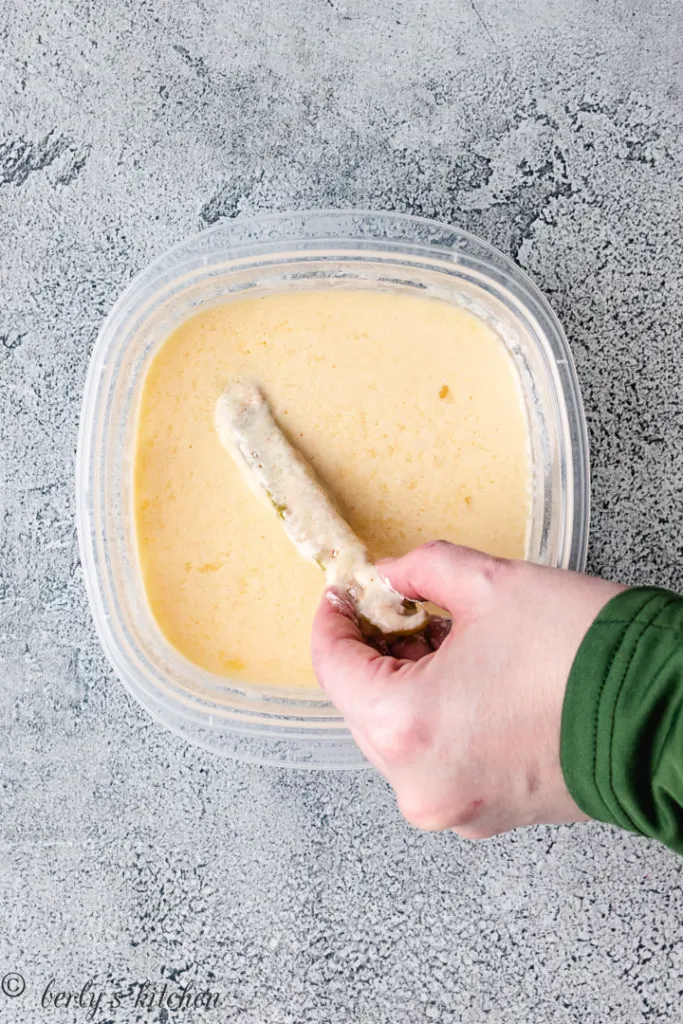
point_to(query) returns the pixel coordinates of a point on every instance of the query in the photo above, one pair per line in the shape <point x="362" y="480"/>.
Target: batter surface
<point x="407" y="408"/>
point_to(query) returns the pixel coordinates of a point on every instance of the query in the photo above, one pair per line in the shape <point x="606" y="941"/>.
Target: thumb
<point x="342" y="662"/>
<point x="448" y="575"/>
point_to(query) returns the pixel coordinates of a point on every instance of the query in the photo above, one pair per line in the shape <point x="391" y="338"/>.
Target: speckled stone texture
<point x="552" y="128"/>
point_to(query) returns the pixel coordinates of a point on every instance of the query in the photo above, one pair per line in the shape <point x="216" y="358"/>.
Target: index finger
<point x="342" y="661"/>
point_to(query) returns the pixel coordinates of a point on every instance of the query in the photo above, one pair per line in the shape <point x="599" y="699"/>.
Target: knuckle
<point x="399" y="739"/>
<point x="489" y="576"/>
<point x="493" y="568"/>
<point x="466" y="813"/>
<point x="428" y="818"/>
<point x="440" y="813"/>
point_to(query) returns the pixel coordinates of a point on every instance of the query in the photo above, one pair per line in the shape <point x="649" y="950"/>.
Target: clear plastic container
<point x="333" y="249"/>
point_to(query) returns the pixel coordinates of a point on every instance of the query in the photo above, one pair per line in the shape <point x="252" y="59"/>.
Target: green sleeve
<point x="622" y="721"/>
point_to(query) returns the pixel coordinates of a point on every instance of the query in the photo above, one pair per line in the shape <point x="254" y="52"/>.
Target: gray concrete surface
<point x="553" y="128"/>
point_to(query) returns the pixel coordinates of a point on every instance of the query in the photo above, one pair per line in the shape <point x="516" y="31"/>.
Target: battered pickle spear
<point x="247" y="429"/>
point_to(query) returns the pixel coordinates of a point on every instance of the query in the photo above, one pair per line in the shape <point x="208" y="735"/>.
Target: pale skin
<point x="464" y="721"/>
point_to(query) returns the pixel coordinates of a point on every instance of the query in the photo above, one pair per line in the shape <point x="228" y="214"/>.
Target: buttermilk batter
<point x="408" y="410"/>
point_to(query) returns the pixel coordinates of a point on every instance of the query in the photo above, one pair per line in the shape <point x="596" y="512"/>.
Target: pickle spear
<point x="247" y="429"/>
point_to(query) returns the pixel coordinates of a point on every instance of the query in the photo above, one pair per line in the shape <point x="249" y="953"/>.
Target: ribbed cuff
<point x="619" y="700"/>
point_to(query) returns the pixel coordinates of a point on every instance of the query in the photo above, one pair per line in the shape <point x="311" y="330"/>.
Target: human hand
<point x="465" y="724"/>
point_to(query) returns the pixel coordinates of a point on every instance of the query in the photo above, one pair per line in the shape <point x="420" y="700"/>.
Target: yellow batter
<point x="407" y="408"/>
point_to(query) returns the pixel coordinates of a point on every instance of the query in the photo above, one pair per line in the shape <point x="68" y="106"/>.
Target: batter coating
<point x="248" y="431"/>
